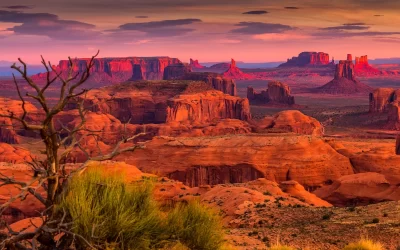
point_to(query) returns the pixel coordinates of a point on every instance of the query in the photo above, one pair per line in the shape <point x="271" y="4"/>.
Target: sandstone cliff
<point x="207" y="106"/>
<point x="308" y="59"/>
<point x="115" y="70"/>
<point x="277" y="93"/>
<point x="344" y="81"/>
<point x="176" y="71"/>
<point x="398" y="145"/>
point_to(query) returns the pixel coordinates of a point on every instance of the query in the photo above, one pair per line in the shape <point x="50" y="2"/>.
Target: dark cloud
<point x="18" y="7"/>
<point x="162" y="28"/>
<point x="292" y="8"/>
<point x="141" y="16"/>
<point x="348" y="26"/>
<point x="255" y="12"/>
<point x="379" y="15"/>
<point x="344" y="34"/>
<point x="388" y="40"/>
<point x="255" y="28"/>
<point x="45" y="24"/>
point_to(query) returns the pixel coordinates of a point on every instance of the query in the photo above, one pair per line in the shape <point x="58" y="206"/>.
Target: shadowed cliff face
<point x="213" y="175"/>
<point x="277" y="93"/>
<point x="384" y="100"/>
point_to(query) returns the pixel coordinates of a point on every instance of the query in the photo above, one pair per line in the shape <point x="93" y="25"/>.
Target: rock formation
<point x="151" y="102"/>
<point x="344" y="81"/>
<point x="292" y="121"/>
<point x="235" y="73"/>
<point x="362" y="67"/>
<point x="217" y="81"/>
<point x="380" y="99"/>
<point x="8" y="128"/>
<point x="359" y="189"/>
<point x="221" y="66"/>
<point x="11" y="154"/>
<point x="176" y="71"/>
<point x="116" y="70"/>
<point x="207" y="106"/>
<point x="194" y="64"/>
<point x="202" y="161"/>
<point x="398" y="145"/>
<point x="306" y="59"/>
<point x="386" y="100"/>
<point x="277" y="93"/>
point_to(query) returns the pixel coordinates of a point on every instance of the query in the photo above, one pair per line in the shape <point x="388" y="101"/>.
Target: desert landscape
<point x="169" y="152"/>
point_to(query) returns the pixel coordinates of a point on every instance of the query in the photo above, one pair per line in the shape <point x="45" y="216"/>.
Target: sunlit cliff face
<point x="248" y="30"/>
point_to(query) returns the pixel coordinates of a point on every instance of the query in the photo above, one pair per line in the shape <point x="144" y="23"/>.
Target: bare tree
<point x="50" y="173"/>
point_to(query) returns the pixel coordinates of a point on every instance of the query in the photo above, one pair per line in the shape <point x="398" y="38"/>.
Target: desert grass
<point x="364" y="244"/>
<point x="111" y="214"/>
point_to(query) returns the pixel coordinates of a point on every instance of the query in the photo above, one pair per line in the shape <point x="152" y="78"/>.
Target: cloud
<point x="254" y="28"/>
<point x="18" y="7"/>
<point x="281" y="37"/>
<point x="379" y="15"/>
<point x="292" y="8"/>
<point x="45" y="24"/>
<point x="162" y="28"/>
<point x="141" y="17"/>
<point x="344" y="34"/>
<point x="348" y="26"/>
<point x="138" y="42"/>
<point x="255" y="12"/>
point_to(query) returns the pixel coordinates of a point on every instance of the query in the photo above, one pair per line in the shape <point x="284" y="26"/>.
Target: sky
<point x="207" y="30"/>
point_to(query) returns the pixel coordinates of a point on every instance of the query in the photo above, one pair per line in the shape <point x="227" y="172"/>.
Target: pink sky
<point x="207" y="30"/>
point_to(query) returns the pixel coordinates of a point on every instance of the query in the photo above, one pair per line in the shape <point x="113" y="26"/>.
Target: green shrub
<point x="364" y="244"/>
<point x="108" y="212"/>
<point x="196" y="226"/>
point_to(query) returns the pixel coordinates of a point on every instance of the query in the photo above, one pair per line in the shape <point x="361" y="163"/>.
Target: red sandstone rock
<point x="235" y="73"/>
<point x="176" y="71"/>
<point x="293" y="121"/>
<point x="344" y="81"/>
<point x="194" y="64"/>
<point x="139" y="102"/>
<point x="308" y="59"/>
<point x="13" y="154"/>
<point x="359" y="189"/>
<point x="8" y="128"/>
<point x="206" y="107"/>
<point x="393" y="116"/>
<point x="202" y="161"/>
<point x="277" y="93"/>
<point x="217" y="81"/>
<point x="221" y="66"/>
<point x="380" y="99"/>
<point x="362" y="67"/>
<point x="116" y="70"/>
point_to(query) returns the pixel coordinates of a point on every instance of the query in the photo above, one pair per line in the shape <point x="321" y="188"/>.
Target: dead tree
<point x="50" y="173"/>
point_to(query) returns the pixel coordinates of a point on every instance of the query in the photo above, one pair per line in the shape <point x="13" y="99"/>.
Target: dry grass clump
<point x="364" y="244"/>
<point x="111" y="214"/>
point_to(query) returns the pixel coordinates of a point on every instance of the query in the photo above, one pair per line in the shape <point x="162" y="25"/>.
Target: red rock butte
<point x="235" y="73"/>
<point x="344" y="81"/>
<point x="194" y="64"/>
<point x="386" y="100"/>
<point x="115" y="70"/>
<point x="305" y="59"/>
<point x="277" y="93"/>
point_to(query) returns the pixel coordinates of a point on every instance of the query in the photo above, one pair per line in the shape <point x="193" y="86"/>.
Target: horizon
<point x="249" y="31"/>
